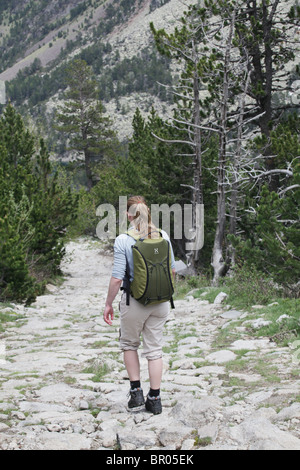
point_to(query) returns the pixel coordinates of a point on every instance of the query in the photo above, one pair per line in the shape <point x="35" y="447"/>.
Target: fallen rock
<point x="83" y="405"/>
<point x="259" y="323"/>
<point x="183" y="269"/>
<point x="220" y="298"/>
<point x="282" y="318"/>
<point x="231" y="314"/>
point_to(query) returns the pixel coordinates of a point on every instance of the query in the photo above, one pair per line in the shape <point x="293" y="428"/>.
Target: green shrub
<point x="248" y="287"/>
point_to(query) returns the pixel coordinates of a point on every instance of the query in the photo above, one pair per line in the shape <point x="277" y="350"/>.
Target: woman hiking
<point x="135" y="318"/>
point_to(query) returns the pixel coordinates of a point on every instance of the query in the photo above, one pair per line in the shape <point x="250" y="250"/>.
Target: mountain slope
<point x="46" y="33"/>
<point x="36" y="38"/>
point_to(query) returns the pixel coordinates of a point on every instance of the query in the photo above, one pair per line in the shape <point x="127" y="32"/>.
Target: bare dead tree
<point x="188" y="49"/>
<point x="218" y="260"/>
<point x="240" y="75"/>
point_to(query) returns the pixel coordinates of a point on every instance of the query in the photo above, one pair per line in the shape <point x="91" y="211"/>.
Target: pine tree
<point x="53" y="211"/>
<point x="34" y="212"/>
<point x="271" y="228"/>
<point x="82" y="118"/>
<point x="160" y="172"/>
<point x="267" y="34"/>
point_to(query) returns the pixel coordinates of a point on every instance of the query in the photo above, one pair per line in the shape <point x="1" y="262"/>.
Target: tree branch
<point x="173" y="141"/>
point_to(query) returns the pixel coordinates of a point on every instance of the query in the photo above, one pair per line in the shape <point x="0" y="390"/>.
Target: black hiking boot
<point x="153" y="404"/>
<point x="136" y="398"/>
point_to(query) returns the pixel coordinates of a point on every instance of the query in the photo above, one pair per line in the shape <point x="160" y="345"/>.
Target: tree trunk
<point x="218" y="263"/>
<point x="235" y="186"/>
<point x="262" y="61"/>
<point x="88" y="169"/>
<point x="198" y="184"/>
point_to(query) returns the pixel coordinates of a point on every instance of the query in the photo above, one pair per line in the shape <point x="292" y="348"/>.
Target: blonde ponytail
<point x="142" y="223"/>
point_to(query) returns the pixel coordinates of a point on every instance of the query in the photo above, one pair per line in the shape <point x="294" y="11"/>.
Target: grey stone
<point x="183" y="364"/>
<point x="145" y="439"/>
<point x="209" y="430"/>
<point x="260" y="434"/>
<point x="289" y="413"/>
<point x="174" y="436"/>
<point x="3" y="427"/>
<point x="53" y="427"/>
<point x="83" y="405"/>
<point x="220" y="298"/>
<point x="259" y="323"/>
<point x="189" y="298"/>
<point x="195" y="412"/>
<point x="231" y="314"/>
<point x="282" y="318"/>
<point x="188" y="444"/>
<point x="189" y="340"/>
<point x="183" y="269"/>
<point x="259" y="397"/>
<point x="251" y="344"/>
<point x="19" y="415"/>
<point x="220" y="357"/>
<point x="211" y="370"/>
<point x="39" y="407"/>
<point x="59" y="441"/>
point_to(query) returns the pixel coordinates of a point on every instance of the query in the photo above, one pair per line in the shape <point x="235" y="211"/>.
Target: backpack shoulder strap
<point x="126" y="283"/>
<point x="137" y="237"/>
<point x="156" y="231"/>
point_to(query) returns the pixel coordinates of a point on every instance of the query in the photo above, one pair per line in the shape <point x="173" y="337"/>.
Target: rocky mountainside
<point x="37" y="37"/>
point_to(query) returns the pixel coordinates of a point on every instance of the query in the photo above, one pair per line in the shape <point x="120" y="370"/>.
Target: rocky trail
<point x="63" y="384"/>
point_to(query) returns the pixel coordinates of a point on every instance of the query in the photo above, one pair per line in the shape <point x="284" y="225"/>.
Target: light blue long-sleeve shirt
<point x="123" y="251"/>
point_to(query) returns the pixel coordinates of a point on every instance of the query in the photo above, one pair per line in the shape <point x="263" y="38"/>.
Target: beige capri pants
<point x="148" y="321"/>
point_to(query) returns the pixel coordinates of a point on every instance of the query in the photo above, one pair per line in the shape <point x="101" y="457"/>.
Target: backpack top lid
<point x="134" y="234"/>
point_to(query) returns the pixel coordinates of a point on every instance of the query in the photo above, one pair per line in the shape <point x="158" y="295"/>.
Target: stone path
<point x="63" y="384"/>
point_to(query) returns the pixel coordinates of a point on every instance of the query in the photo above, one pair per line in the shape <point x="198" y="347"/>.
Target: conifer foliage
<point x="82" y="118"/>
<point x="34" y="212"/>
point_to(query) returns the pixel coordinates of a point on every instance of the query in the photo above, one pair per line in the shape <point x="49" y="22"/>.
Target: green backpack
<point x="153" y="279"/>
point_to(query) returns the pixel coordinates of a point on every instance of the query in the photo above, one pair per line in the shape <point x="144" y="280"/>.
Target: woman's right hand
<point x="108" y="314"/>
